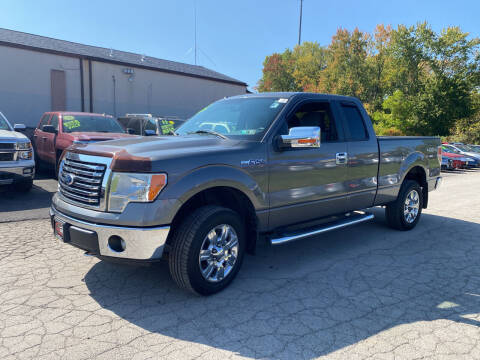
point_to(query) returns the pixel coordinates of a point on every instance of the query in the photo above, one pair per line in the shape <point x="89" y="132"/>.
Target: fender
<point x="414" y="159"/>
<point x="199" y="179"/>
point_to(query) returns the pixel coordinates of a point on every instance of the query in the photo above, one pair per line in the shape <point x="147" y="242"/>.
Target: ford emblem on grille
<point x="69" y="179"/>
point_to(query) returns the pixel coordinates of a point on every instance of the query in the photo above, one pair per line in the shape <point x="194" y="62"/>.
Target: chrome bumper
<point x="11" y="171"/>
<point x="140" y="243"/>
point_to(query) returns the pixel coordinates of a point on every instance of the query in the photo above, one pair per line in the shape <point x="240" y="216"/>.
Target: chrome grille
<point x="82" y="180"/>
<point x="7" y="146"/>
<point x="7" y="156"/>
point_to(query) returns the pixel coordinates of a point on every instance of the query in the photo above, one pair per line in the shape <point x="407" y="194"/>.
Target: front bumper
<point x="15" y="171"/>
<point x="141" y="243"/>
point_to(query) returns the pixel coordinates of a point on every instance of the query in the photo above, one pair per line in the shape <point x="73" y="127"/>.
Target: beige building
<point x="39" y="74"/>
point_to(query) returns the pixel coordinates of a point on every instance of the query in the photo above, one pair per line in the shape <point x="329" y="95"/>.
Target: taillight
<point x="439" y="154"/>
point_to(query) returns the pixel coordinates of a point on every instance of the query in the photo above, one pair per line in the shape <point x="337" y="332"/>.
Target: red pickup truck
<point x="57" y="130"/>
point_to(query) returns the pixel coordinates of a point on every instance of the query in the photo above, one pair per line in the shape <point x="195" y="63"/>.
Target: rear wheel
<point x="207" y="250"/>
<point x="405" y="212"/>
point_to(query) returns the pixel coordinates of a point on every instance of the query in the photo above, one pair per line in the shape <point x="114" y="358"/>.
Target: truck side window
<point x="44" y="121"/>
<point x="54" y="122"/>
<point x="356" y="127"/>
<point x="315" y="114"/>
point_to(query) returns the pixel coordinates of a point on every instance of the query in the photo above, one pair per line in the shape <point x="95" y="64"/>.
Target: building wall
<point x="25" y="88"/>
<point x="25" y="84"/>
<point x="153" y="92"/>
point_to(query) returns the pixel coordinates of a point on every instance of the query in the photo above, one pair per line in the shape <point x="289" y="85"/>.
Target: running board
<point x="353" y="219"/>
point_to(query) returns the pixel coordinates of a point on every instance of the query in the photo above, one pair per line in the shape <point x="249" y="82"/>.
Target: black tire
<point x="187" y="242"/>
<point x="394" y="212"/>
<point x="24" y="185"/>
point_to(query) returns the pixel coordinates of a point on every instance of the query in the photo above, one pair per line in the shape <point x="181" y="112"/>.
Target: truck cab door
<point x="308" y="183"/>
<point x="50" y="151"/>
<point x="39" y="137"/>
<point x="362" y="154"/>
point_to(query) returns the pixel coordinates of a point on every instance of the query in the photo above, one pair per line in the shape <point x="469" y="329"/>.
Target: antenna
<point x="195" y="14"/>
<point x="300" y="25"/>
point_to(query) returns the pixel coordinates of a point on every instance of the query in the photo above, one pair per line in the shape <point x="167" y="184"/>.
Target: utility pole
<point x="195" y="11"/>
<point x="300" y="24"/>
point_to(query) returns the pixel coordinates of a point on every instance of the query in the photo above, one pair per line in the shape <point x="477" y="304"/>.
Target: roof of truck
<point x="300" y="94"/>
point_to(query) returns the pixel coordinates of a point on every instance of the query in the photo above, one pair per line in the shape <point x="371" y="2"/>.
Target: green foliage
<point x="412" y="80"/>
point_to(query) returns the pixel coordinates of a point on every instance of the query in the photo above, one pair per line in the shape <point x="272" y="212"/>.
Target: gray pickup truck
<point x="281" y="165"/>
<point x="16" y="156"/>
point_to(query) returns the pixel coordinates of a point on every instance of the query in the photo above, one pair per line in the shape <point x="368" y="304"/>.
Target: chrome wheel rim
<point x="218" y="253"/>
<point x="411" y="206"/>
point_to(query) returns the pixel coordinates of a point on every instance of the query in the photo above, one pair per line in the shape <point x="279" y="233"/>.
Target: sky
<point x="233" y="37"/>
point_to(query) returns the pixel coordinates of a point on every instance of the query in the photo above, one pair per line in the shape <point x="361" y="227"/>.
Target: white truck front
<point x="17" y="165"/>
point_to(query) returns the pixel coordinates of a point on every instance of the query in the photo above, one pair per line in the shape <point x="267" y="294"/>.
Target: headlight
<point x="25" y="150"/>
<point x="134" y="187"/>
<point x="24" y="145"/>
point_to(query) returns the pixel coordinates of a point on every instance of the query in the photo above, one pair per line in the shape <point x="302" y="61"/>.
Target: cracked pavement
<point x="362" y="292"/>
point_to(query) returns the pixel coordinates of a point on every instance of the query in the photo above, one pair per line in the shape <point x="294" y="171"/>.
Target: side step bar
<point x="355" y="218"/>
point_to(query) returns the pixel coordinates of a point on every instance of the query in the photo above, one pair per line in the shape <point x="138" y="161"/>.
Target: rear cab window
<point x="355" y="125"/>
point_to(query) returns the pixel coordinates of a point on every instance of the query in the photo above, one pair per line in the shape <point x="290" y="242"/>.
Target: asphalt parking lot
<point x="362" y="292"/>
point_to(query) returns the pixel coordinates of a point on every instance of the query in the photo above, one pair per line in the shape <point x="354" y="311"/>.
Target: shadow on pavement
<point x="16" y="206"/>
<point x="314" y="296"/>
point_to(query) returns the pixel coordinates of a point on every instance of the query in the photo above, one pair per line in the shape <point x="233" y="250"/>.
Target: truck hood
<point x="11" y="135"/>
<point x="138" y="153"/>
<point x="97" y="136"/>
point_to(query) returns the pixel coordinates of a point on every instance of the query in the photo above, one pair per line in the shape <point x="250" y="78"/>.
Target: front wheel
<point x="207" y="250"/>
<point x="404" y="213"/>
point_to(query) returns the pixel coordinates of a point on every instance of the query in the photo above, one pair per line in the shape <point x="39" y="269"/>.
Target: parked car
<point x="16" y="156"/>
<point x="472" y="159"/>
<point x="451" y="164"/>
<point x="148" y="125"/>
<point x="58" y="130"/>
<point x="463" y="161"/>
<point x="293" y="165"/>
<point x="475" y="148"/>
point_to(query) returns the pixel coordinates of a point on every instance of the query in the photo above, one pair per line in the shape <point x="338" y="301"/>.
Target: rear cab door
<point x="39" y="137"/>
<point x="362" y="155"/>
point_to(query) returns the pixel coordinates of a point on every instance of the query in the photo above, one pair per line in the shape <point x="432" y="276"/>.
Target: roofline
<point x="86" y="57"/>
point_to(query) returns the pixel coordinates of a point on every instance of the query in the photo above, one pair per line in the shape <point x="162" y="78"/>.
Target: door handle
<point x="341" y="158"/>
<point x="44" y="138"/>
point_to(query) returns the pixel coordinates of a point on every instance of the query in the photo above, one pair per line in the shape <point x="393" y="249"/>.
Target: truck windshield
<point x="239" y="117"/>
<point x="3" y="123"/>
<point x="91" y="123"/>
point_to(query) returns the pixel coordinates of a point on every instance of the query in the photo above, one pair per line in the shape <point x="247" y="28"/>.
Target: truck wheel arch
<point x="419" y="174"/>
<point x="226" y="196"/>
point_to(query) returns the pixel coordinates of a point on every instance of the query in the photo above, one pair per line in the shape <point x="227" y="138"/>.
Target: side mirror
<point x="150" y="132"/>
<point x="49" y="129"/>
<point x="130" y="131"/>
<point x="300" y="137"/>
<point x="19" y="127"/>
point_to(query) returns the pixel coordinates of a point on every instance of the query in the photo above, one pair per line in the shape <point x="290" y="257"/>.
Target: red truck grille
<point x="82" y="181"/>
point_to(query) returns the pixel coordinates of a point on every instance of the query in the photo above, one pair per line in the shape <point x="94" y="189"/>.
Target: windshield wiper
<point x="211" y="132"/>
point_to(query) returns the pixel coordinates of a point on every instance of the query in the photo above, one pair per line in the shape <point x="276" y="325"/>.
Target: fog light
<point x="27" y="171"/>
<point x="116" y="243"/>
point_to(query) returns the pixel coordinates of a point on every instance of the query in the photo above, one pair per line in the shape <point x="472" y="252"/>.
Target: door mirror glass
<point x="19" y="127"/>
<point x="301" y="137"/>
<point x="130" y="131"/>
<point x="149" y="132"/>
<point x="49" y="129"/>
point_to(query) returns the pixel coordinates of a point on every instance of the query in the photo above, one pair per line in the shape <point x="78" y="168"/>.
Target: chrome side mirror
<point x="301" y="137"/>
<point x="19" y="127"/>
